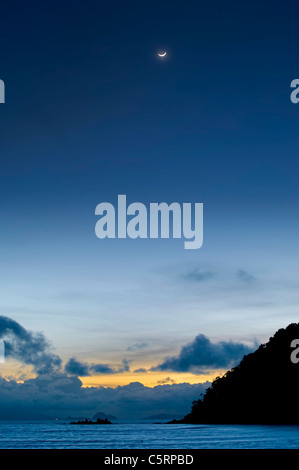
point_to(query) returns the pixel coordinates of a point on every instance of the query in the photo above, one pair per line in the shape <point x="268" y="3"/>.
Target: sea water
<point x="57" y="435"/>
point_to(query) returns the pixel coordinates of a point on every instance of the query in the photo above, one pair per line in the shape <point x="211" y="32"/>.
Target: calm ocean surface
<point x="41" y="435"/>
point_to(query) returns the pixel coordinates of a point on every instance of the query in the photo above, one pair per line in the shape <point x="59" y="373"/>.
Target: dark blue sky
<point x="91" y="113"/>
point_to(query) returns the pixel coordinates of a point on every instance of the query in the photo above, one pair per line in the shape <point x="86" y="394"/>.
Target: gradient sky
<point x="90" y="113"/>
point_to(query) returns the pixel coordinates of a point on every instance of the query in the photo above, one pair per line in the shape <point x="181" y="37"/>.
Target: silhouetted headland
<point x="262" y="389"/>
<point x="98" y="421"/>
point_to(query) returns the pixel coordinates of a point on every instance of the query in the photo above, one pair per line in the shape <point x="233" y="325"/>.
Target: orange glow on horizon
<point x="148" y="379"/>
<point x="11" y="371"/>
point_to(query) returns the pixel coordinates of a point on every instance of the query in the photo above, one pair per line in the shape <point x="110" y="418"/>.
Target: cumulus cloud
<point x="56" y="393"/>
<point x="75" y="367"/>
<point x="28" y="347"/>
<point x="201" y="355"/>
<point x="60" y="395"/>
<point x="33" y="348"/>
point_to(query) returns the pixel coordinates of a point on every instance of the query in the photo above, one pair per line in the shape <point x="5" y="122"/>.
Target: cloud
<point x="82" y="369"/>
<point x="102" y="369"/>
<point x="59" y="395"/>
<point x="165" y="381"/>
<point x="74" y="367"/>
<point x="198" y="275"/>
<point x="54" y="393"/>
<point x="28" y="347"/>
<point x="244" y="276"/>
<point x="33" y="348"/>
<point x="137" y="346"/>
<point x="125" y="366"/>
<point x="201" y="355"/>
<point x="106" y="369"/>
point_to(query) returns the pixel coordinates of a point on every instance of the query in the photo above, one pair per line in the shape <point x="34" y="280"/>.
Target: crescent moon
<point x="162" y="55"/>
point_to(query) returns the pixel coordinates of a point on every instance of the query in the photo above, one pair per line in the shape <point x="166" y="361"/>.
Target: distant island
<point x="98" y="421"/>
<point x="262" y="389"/>
<point x="96" y="416"/>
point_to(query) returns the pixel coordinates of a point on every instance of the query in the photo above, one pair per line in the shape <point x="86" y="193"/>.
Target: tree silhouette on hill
<point x="262" y="389"/>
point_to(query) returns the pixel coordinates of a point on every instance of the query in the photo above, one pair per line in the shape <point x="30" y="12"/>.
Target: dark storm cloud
<point x="28" y="347"/>
<point x="202" y="355"/>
